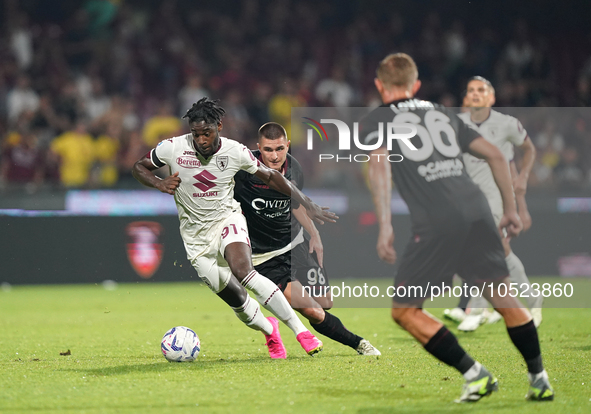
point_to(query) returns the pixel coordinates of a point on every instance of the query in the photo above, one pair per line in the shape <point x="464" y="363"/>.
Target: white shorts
<point x="496" y="208"/>
<point x="211" y="266"/>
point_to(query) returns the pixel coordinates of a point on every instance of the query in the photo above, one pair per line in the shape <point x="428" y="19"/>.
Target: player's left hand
<point x="169" y="184"/>
<point x="512" y="224"/>
<point x="316" y="246"/>
<point x="320" y="214"/>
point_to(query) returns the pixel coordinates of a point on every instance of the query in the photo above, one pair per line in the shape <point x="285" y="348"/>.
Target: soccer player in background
<point x="453" y="230"/>
<point x="202" y="167"/>
<point x="505" y="132"/>
<point x="282" y="251"/>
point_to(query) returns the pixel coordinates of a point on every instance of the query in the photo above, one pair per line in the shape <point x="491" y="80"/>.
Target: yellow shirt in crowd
<point x="159" y="127"/>
<point x="105" y="151"/>
<point x="77" y="156"/>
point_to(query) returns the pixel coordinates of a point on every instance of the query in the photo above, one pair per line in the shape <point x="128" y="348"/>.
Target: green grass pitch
<point x="116" y="365"/>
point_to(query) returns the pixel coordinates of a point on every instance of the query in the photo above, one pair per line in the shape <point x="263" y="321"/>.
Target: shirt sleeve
<point x="248" y="162"/>
<point x="466" y="135"/>
<point x="163" y="153"/>
<point x="517" y="133"/>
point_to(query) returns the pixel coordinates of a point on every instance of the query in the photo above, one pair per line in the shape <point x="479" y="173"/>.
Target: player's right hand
<point x="316" y="246"/>
<point x="385" y="245"/>
<point x="512" y="224"/>
<point x="320" y="214"/>
<point x="169" y="184"/>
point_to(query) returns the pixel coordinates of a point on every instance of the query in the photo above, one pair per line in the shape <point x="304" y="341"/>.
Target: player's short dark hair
<point x="272" y="130"/>
<point x="205" y="110"/>
<point x="397" y="69"/>
<point x="481" y="79"/>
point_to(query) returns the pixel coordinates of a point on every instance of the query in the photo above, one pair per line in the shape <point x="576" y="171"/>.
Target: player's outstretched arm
<point x="142" y="171"/>
<point x="315" y="240"/>
<point x="380" y="185"/>
<point x="276" y="181"/>
<point x="499" y="166"/>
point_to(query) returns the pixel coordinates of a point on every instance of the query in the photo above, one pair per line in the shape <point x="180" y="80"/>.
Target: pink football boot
<point x="274" y="342"/>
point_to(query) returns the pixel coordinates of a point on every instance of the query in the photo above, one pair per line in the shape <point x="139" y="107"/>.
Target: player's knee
<point x="325" y="302"/>
<point x="404" y="316"/>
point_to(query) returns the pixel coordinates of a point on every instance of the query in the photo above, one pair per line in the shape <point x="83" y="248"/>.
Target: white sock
<point x="250" y="313"/>
<point x="517" y="275"/>
<point x="271" y="297"/>
<point x="472" y="373"/>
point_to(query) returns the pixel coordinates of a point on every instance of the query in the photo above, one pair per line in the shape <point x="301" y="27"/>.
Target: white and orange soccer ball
<point x="180" y="344"/>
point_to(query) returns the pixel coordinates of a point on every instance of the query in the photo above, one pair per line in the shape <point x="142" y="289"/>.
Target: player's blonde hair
<point x="397" y="70"/>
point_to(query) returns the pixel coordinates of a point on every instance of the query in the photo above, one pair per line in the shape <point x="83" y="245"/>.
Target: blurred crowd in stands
<point x="88" y="87"/>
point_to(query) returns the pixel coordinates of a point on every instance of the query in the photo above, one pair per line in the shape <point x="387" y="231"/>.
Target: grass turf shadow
<point x="165" y="366"/>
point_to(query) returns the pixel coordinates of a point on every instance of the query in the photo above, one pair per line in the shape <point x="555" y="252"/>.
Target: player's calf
<point x="313" y="315"/>
<point x="325" y="301"/>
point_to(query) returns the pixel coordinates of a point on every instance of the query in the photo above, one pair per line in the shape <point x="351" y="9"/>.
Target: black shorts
<point x="472" y="250"/>
<point x="296" y="264"/>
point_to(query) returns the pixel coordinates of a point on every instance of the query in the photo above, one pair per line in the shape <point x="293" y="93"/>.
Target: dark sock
<point x="333" y="328"/>
<point x="525" y="339"/>
<point x="464" y="301"/>
<point x="445" y="347"/>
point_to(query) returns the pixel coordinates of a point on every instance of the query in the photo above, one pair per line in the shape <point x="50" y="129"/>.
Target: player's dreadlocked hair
<point x="205" y="110"/>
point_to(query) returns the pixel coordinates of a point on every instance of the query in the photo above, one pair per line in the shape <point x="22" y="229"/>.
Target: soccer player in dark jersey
<point x="453" y="230"/>
<point x="282" y="251"/>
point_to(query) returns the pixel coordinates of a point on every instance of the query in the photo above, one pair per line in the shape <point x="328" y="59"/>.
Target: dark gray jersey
<point x="432" y="180"/>
<point x="268" y="212"/>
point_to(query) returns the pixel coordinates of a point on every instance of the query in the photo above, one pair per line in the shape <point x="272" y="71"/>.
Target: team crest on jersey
<point x="222" y="162"/>
<point x="145" y="247"/>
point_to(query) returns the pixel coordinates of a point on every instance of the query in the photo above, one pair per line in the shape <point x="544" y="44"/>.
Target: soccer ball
<point x="180" y="344"/>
